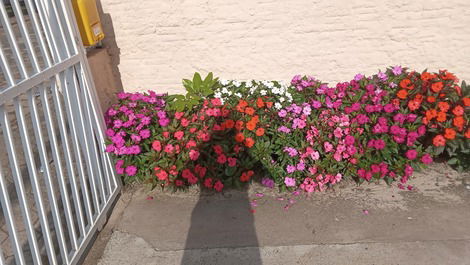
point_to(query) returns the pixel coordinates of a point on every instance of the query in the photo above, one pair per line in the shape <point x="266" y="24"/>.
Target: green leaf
<point x="452" y="161"/>
<point x="197" y="81"/>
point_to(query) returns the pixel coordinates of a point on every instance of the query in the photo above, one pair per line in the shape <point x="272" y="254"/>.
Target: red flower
<point x="260" y="132"/>
<point x="436" y="87"/>
<point x="239" y="137"/>
<point x="406" y="83"/>
<point x="402" y="94"/>
<point x="458" y="110"/>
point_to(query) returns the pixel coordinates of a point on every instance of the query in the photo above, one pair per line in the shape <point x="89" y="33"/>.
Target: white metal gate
<point x="56" y="182"/>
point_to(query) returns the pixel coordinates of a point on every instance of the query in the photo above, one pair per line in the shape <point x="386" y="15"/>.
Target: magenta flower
<point x="290" y="168"/>
<point x="131" y="170"/>
<point x="426" y="159"/>
<point x="411" y="154"/>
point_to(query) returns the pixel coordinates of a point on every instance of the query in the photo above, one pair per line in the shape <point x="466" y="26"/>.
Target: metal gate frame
<point x="86" y="185"/>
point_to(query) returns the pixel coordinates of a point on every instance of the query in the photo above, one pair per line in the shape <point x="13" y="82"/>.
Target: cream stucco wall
<point x="159" y="42"/>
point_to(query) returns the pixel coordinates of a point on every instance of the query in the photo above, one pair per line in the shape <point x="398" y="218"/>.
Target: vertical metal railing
<point x="56" y="181"/>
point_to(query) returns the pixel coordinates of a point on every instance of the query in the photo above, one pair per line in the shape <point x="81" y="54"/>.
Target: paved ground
<point x="369" y="224"/>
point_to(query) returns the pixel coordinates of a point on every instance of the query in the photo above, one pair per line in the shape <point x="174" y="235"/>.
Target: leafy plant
<point x="196" y="91"/>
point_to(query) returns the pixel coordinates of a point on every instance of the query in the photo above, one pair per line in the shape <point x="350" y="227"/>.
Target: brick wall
<point x="160" y="42"/>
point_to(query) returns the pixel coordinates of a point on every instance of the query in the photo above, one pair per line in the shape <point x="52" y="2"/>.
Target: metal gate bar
<point x="57" y="183"/>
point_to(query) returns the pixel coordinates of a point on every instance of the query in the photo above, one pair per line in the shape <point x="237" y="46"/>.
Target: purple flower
<point x="267" y="182"/>
<point x="282" y="113"/>
<point x="291" y="151"/>
<point x="396" y="70"/>
<point x="290" y="168"/>
<point x="316" y="104"/>
<point x="284" y="129"/>
<point x="290" y="182"/>
<point x="382" y="76"/>
<point x="392" y="85"/>
<point x="358" y="77"/>
<point x="144" y="133"/>
<point x="301" y="166"/>
<point x="298" y="123"/>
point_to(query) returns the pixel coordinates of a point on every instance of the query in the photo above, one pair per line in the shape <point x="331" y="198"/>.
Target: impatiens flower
<point x="397" y="70"/>
<point x="232" y="161"/>
<point x="221" y="159"/>
<point x="290" y="168"/>
<point x="131" y="170"/>
<point x="290" y="182"/>
<point x="439" y="140"/>
<point x="426" y="159"/>
<point x="193" y="155"/>
<point x="328" y="147"/>
<point x="178" y="135"/>
<point x="267" y="182"/>
<point x="218" y="186"/>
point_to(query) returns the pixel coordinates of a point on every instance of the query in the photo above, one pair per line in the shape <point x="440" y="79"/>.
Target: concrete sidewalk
<point x="369" y="224"/>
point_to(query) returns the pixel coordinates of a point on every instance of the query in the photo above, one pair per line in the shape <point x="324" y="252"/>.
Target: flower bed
<point x="303" y="135"/>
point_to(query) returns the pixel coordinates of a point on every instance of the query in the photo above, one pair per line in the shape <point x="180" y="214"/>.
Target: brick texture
<point x="160" y="42"/>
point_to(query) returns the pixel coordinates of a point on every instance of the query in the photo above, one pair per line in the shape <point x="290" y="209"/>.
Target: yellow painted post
<point x="88" y="21"/>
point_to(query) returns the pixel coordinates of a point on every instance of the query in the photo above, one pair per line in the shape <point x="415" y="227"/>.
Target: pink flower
<point x="411" y="154"/>
<point x="157" y="146"/>
<point x="315" y="155"/>
<point x="290" y="182"/>
<point x="208" y="183"/>
<point x="179" y="135"/>
<point x="162" y="175"/>
<point x="169" y="148"/>
<point x="328" y="147"/>
<point x="178" y="115"/>
<point x="190" y="144"/>
<point x="193" y="155"/>
<point x="184" y="122"/>
<point x="338" y="132"/>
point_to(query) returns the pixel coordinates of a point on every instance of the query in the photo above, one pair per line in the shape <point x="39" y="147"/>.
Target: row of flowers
<point x="303" y="135"/>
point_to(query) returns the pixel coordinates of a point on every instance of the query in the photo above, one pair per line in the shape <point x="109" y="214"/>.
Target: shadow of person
<point x="222" y="231"/>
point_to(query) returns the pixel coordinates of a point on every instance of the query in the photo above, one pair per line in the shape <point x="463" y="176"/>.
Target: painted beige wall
<point x="159" y="42"/>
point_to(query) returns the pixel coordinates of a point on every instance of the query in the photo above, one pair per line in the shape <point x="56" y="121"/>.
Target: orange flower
<point x="251" y="125"/>
<point x="255" y="119"/>
<point x="439" y="140"/>
<point x="430" y="114"/>
<point x="466" y="102"/>
<point x="419" y="97"/>
<point x="402" y="94"/>
<point x="458" y="122"/>
<point x="250" y="111"/>
<point x="467" y="134"/>
<point x="396" y="101"/>
<point x="259" y="132"/>
<point x="414" y="104"/>
<point x="241" y="105"/>
<point x="449" y="133"/>
<point x="269" y="104"/>
<point x="444" y="106"/>
<point x="441" y="116"/>
<point x="239" y="125"/>
<point x="249" y="142"/>
<point x="260" y="103"/>
<point x="229" y="124"/>
<point x="406" y="83"/>
<point x="239" y="137"/>
<point x="427" y="76"/>
<point x="458" y="110"/>
<point x="431" y="99"/>
<point x="436" y="87"/>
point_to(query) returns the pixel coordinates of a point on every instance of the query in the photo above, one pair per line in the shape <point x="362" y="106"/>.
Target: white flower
<point x="249" y="84"/>
<point x="277" y="105"/>
<point x="281" y="99"/>
<point x="224" y="82"/>
<point x="263" y="92"/>
<point x="218" y="95"/>
<point x="238" y="95"/>
<point x="225" y="90"/>
<point x="236" y="83"/>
